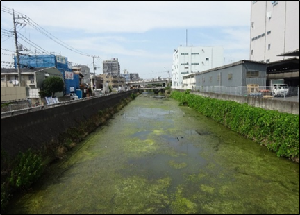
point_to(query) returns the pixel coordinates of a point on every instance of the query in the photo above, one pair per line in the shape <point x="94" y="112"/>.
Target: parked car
<point x="280" y="90"/>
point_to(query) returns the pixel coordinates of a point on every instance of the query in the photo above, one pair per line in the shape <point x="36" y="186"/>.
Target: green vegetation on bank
<point x="277" y="131"/>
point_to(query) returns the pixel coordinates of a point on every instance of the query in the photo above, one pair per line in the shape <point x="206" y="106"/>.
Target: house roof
<point x="231" y="65"/>
<point x="23" y="70"/>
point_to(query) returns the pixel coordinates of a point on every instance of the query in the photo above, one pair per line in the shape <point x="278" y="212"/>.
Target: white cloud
<point x="134" y="16"/>
<point x="108" y="29"/>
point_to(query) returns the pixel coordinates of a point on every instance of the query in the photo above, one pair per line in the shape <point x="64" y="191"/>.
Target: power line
<point x="7" y="50"/>
<point x="43" y="31"/>
<point x="25" y="39"/>
<point x="52" y="37"/>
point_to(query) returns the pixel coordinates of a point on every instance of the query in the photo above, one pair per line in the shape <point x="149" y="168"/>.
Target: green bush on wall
<point x="276" y="130"/>
<point x="29" y="166"/>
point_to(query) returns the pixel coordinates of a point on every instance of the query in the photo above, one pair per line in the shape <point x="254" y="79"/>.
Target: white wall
<point x="205" y="58"/>
<point x="13" y="93"/>
<point x="279" y="23"/>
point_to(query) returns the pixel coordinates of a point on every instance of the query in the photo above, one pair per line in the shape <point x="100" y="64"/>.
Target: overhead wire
<point x="40" y="29"/>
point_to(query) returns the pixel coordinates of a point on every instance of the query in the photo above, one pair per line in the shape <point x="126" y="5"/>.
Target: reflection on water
<point x="158" y="157"/>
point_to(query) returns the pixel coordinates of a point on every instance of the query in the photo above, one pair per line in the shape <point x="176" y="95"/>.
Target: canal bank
<point x="45" y="136"/>
<point x="278" y="131"/>
<point x="157" y="157"/>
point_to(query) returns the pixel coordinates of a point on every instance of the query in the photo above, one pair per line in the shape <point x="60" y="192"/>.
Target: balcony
<point x="30" y="82"/>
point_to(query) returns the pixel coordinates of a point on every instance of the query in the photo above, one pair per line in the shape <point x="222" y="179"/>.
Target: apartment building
<point x="31" y="79"/>
<point x="274" y="29"/>
<point x="111" y="67"/>
<point x="189" y="59"/>
<point x="112" y="81"/>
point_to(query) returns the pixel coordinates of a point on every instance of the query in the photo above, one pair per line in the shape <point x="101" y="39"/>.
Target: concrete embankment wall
<point x="266" y="103"/>
<point x="33" y="129"/>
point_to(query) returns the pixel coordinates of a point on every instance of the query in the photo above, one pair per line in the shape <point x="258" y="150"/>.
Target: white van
<point x="280" y="90"/>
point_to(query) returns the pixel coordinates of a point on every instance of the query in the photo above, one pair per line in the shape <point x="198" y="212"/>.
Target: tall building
<point x="274" y="29"/>
<point x="111" y="67"/>
<point x="189" y="59"/>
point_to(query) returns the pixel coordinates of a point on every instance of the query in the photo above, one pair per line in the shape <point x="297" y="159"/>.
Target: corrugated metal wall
<point x="261" y="80"/>
<point x="234" y="77"/>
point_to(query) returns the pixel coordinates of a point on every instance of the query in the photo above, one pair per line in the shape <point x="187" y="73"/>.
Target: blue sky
<point x="142" y="35"/>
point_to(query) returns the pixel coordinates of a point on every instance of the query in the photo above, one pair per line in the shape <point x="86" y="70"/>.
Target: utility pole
<point x="94" y="74"/>
<point x="95" y="79"/>
<point x="186" y="42"/>
<point x="17" y="50"/>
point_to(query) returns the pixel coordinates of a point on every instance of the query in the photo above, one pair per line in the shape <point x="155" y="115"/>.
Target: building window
<point x="274" y="3"/>
<point x="229" y="76"/>
<point x="252" y="24"/>
<point x="252" y="52"/>
<point x="252" y="74"/>
<point x="186" y="67"/>
<point x="184" y="53"/>
<point x="195" y="63"/>
<point x="269" y="46"/>
<point x="187" y="63"/>
<point x="195" y="53"/>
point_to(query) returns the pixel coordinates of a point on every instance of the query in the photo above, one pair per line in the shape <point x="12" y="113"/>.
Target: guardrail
<point x="256" y="91"/>
<point x="24" y="108"/>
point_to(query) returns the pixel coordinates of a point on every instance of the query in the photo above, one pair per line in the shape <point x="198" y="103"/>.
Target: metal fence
<point x="26" y="107"/>
<point x="253" y="90"/>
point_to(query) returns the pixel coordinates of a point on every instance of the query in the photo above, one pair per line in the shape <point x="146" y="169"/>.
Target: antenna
<point x="186" y="37"/>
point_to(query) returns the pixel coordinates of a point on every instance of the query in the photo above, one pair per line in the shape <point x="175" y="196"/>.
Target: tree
<point x="52" y="85"/>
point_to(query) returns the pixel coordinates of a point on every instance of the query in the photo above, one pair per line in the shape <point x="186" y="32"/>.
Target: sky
<point x="141" y="34"/>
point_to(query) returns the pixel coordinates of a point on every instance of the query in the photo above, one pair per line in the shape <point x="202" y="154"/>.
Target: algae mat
<point x="157" y="157"/>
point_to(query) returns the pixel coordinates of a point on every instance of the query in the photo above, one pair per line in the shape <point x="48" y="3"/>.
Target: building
<point x="85" y="72"/>
<point x="188" y="60"/>
<point x="134" y="77"/>
<point x="112" y="81"/>
<point x="31" y="79"/>
<point x="127" y="77"/>
<point x="238" y="78"/>
<point x="274" y="30"/>
<point x="111" y="67"/>
<point x="71" y="80"/>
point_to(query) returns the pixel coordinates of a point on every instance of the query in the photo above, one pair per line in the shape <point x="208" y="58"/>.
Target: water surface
<point x="158" y="157"/>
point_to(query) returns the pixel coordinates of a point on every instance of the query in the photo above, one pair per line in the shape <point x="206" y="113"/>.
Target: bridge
<point x="150" y="83"/>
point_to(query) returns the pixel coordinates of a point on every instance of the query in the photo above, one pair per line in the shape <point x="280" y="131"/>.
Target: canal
<point x="157" y="157"/>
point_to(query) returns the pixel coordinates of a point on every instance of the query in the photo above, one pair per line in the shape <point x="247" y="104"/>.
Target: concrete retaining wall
<point x="33" y="129"/>
<point x="266" y="103"/>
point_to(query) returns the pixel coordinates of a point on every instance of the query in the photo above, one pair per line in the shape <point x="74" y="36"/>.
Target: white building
<point x="189" y="59"/>
<point x="274" y="29"/>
